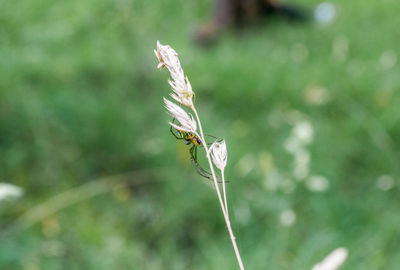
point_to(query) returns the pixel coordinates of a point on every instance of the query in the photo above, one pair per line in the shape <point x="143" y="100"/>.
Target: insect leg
<point x="212" y="136"/>
<point x="173" y="133"/>
<point x="216" y="138"/>
<point x="196" y="165"/>
<point x="200" y="170"/>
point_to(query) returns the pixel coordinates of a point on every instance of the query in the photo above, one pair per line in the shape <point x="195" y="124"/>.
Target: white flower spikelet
<point x="332" y="262"/>
<point x="219" y="154"/>
<point x="180" y="84"/>
<point x="186" y="121"/>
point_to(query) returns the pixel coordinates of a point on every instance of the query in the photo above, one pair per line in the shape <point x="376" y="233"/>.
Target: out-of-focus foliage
<point x="310" y="114"/>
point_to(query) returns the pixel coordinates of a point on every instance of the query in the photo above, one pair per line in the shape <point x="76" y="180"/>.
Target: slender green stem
<point x="224" y="191"/>
<point x="223" y="207"/>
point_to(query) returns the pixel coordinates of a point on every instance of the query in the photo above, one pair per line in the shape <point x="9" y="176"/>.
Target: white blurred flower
<point x="325" y="13"/>
<point x="246" y="164"/>
<point x="388" y="59"/>
<point x="288" y="185"/>
<point x="317" y="183"/>
<point x="385" y="182"/>
<point x="186" y="121"/>
<point x="316" y="95"/>
<point x="219" y="154"/>
<point x="302" y="135"/>
<point x="266" y="162"/>
<point x="287" y="218"/>
<point x="293" y="145"/>
<point x="180" y="84"/>
<point x="272" y="181"/>
<point x="9" y="191"/>
<point x="332" y="262"/>
<point x="302" y="159"/>
<point x="304" y="132"/>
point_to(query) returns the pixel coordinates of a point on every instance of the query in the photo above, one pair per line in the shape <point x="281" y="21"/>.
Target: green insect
<point x="191" y="139"/>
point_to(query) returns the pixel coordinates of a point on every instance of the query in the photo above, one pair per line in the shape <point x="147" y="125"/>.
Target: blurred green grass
<point x="80" y="100"/>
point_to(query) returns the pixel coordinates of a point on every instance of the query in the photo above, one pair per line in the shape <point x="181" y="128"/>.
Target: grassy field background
<point x="106" y="186"/>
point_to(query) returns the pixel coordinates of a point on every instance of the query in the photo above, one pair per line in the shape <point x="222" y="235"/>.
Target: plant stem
<point x="224" y="191"/>
<point x="223" y="207"/>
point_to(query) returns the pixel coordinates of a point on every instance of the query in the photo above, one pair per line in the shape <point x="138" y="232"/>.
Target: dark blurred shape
<point x="239" y="13"/>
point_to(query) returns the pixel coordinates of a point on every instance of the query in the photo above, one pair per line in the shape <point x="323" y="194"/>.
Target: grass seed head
<point x="186" y="121"/>
<point x="181" y="87"/>
<point x="219" y="154"/>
